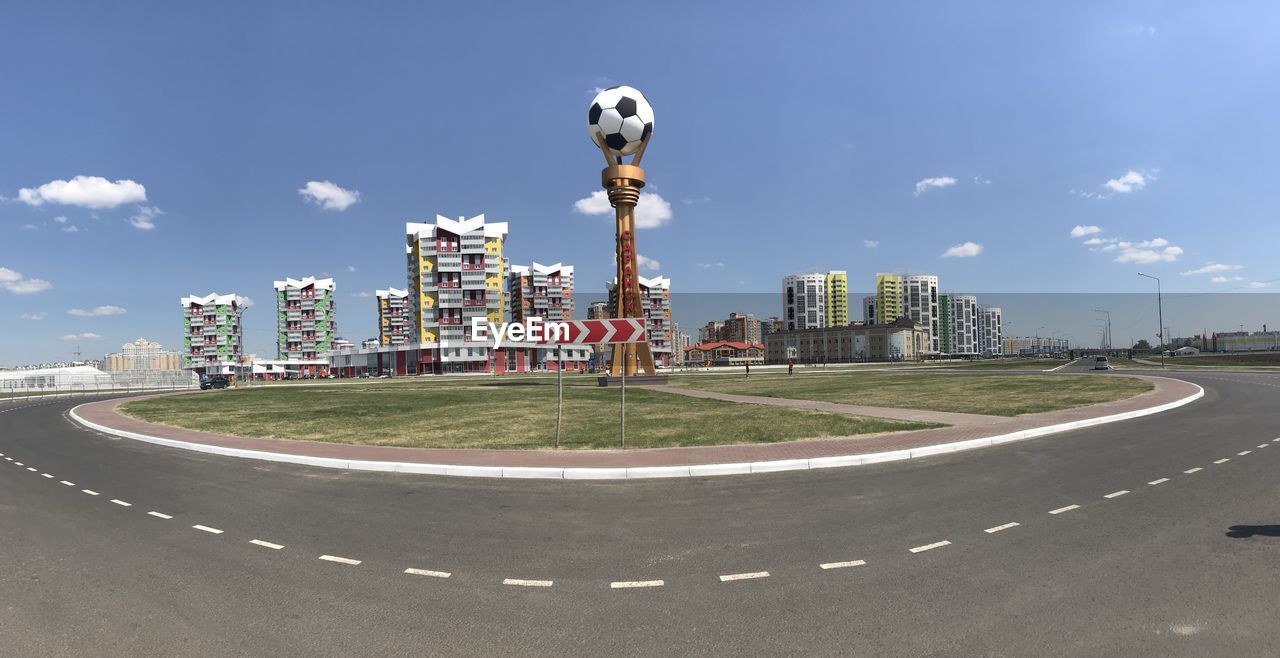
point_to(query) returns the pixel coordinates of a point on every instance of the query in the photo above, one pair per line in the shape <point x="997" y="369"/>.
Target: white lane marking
<point x="629" y="584"/>
<point x="266" y="544"/>
<point x="929" y="547"/>
<point x="205" y="528"/>
<point x="69" y="484"/>
<point x="1001" y="527"/>
<point x="31" y="469"/>
<point x="1243" y="453"/>
<point x="18" y="464"/>
<point x="90" y="492"/>
<point x="428" y="572"/>
<point x="842" y="565"/>
<point x="1160" y="481"/>
<point x="527" y="583"/>
<point x="8" y="459"/>
<point x="1222" y="461"/>
<point x="1193" y="470"/>
<point x="1060" y="510"/>
<point x="1116" y="494"/>
<point x="340" y="560"/>
<point x="1263" y="445"/>
<point x="121" y="502"/>
<point x="46" y="475"/>
<point x="743" y="576"/>
<point x="1276" y="440"/>
<point x="158" y="515"/>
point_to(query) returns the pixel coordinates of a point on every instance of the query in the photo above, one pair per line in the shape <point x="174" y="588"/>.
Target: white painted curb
<point x="697" y="470"/>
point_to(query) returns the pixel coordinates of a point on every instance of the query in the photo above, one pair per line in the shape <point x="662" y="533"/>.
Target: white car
<point x="1101" y="363"/>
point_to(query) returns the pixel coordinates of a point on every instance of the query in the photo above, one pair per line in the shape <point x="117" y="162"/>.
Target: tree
<point x="1142" y="345"/>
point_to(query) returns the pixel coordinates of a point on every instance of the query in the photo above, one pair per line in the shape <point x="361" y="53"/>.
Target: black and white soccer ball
<point x="622" y="117"/>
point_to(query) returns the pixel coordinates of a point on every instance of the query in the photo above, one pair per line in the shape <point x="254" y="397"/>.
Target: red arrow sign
<point x="588" y="332"/>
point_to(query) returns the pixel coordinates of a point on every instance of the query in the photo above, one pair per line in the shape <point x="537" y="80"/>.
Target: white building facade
<point x="920" y="303"/>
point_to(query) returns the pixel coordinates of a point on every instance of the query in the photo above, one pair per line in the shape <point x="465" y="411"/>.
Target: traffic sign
<point x="592" y="332"/>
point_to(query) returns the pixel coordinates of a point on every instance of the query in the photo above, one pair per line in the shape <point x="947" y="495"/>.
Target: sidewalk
<point x="967" y="431"/>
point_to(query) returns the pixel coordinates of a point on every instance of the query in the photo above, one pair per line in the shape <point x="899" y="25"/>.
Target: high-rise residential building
<point x="888" y="298"/>
<point x="837" y="299"/>
<point x="964" y="336"/>
<point x="742" y="328"/>
<point x="771" y="324"/>
<point x="991" y="330"/>
<point x="869" y="309"/>
<point x="393" y="316"/>
<point x="920" y="303"/>
<point x="212" y="337"/>
<point x="655" y="306"/>
<point x="946" y="330"/>
<point x="142" y="355"/>
<point x="806" y="300"/>
<point x="305" y="323"/>
<point x="599" y="311"/>
<point x="710" y="332"/>
<point x="541" y="291"/>
<point x="456" y="272"/>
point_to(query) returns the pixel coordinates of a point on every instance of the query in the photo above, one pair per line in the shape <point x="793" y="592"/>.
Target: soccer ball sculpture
<point x="622" y="118"/>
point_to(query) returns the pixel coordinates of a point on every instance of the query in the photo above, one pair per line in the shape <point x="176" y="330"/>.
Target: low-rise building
<point x="901" y="340"/>
<point x="723" y="353"/>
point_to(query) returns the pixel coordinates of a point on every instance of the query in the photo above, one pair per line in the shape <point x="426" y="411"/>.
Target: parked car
<point x="216" y="381"/>
<point x="1101" y="363"/>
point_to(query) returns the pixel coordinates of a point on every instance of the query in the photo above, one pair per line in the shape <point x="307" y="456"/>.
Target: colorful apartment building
<point x="456" y="272"/>
<point x="305" y="322"/>
<point x="212" y="336"/>
<point x="888" y="298"/>
<point x="393" y="316"/>
<point x="655" y="305"/>
<point x="540" y="291"/>
<point x="837" y="298"/>
<point x="815" y="300"/>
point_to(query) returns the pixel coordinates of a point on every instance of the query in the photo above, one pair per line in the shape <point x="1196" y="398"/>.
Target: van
<point x="1101" y="363"/>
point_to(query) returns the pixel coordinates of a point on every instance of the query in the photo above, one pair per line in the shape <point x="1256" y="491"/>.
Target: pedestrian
<point x="748" y="365"/>
<point x="791" y="366"/>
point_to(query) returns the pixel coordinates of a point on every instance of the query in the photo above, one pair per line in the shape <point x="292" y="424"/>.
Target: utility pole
<point x="1160" y="311"/>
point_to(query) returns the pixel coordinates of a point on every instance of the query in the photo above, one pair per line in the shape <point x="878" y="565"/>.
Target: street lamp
<point x="1160" y="311"/>
<point x="1107" y="339"/>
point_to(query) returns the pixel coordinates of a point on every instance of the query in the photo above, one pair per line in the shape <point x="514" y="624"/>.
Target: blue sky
<point x="787" y="137"/>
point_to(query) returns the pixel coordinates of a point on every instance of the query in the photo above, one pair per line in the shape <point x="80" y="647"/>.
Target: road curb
<point x="643" y="472"/>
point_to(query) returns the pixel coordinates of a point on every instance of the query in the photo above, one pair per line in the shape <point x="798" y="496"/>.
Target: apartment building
<point x="965" y="338"/>
<point x="920" y="303"/>
<point x="869" y="309"/>
<point x="888" y="298"/>
<point x="990" y="331"/>
<point x="743" y="328"/>
<point x="655" y="306"/>
<point x="393" y="316"/>
<point x="142" y="355"/>
<point x="900" y="340"/>
<point x="212" y="336"/>
<point x="837" y="298"/>
<point x="456" y="272"/>
<point x="815" y="300"/>
<point x="305" y="322"/>
<point x="540" y="291"/>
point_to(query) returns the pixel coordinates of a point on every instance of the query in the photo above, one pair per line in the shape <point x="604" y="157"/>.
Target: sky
<point x="153" y="150"/>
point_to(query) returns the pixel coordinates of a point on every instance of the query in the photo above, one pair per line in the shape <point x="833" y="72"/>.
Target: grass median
<point x="996" y="395"/>
<point x="505" y="413"/>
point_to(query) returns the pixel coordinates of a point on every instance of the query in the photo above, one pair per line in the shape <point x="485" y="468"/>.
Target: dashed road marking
<point x="520" y="582"/>
<point x="1243" y="453"/>
<point x="69" y="484"/>
<point x="842" y="565"/>
<point x="1060" y="510"/>
<point x="1263" y="445"/>
<point x="743" y="576"/>
<point x="1160" y="481"/>
<point x="90" y="492"/>
<point x="121" y="502"/>
<point x="205" y="528"/>
<point x="340" y="560"/>
<point x="1193" y="470"/>
<point x="31" y="469"/>
<point x="1116" y="494"/>
<point x="46" y="475"/>
<point x="158" y="515"/>
<point x="1222" y="461"/>
<point x="929" y="547"/>
<point x="428" y="572"/>
<point x="266" y="544"/>
<point x="8" y="459"/>
<point x="1001" y="527"/>
<point x="18" y="464"/>
<point x="630" y="584"/>
<point x="1275" y="440"/>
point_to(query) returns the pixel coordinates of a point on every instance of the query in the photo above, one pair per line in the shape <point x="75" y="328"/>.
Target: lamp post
<point x="1160" y="311"/>
<point x="620" y="123"/>
<point x="1107" y="339"/>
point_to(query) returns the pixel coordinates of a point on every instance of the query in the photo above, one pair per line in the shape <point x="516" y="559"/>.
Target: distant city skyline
<point x="1005" y="149"/>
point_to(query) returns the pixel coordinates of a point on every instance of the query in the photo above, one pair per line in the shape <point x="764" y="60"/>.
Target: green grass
<point x="499" y="413"/>
<point x="996" y="395"/>
<point x="1016" y="363"/>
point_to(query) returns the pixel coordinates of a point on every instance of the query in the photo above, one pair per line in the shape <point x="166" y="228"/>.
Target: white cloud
<point x="647" y="263"/>
<point x="20" y="285"/>
<point x="1147" y="251"/>
<point x="362" y="294"/>
<point x="941" y="181"/>
<point x="30" y="227"/>
<point x="71" y="229"/>
<point x="61" y="219"/>
<point x="871" y="244"/>
<point x="351" y="268"/>
<point x="1226" y="279"/>
<point x="1131" y="181"/>
<point x="1098" y="241"/>
<point x="1081" y="231"/>
<point x="38" y="315"/>
<point x="97" y="312"/>
<point x="246" y="302"/>
<point x="1259" y="284"/>
<point x="88" y="335"/>
<point x="651" y="211"/>
<point x="707" y="266"/>
<point x="328" y="195"/>
<point x="963" y="250"/>
<point x="979" y="180"/>
<point x="145" y="218"/>
<point x="1212" y="268"/>
<point x="85" y="191"/>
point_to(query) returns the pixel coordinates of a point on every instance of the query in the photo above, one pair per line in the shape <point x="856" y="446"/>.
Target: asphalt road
<point x="1152" y="571"/>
